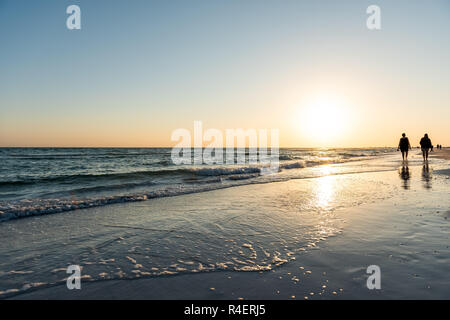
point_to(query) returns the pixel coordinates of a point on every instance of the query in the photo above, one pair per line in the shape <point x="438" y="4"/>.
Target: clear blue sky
<point x="139" y="69"/>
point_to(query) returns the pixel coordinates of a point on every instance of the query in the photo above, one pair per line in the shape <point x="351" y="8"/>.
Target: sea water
<point x="36" y="181"/>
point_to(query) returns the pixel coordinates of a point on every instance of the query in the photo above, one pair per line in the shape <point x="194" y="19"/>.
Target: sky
<point x="138" y="69"/>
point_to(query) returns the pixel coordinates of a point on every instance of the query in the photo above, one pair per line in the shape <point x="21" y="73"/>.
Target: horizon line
<point x="169" y="147"/>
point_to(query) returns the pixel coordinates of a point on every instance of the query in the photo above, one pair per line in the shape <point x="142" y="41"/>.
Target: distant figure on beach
<point x="404" y="146"/>
<point x="426" y="145"/>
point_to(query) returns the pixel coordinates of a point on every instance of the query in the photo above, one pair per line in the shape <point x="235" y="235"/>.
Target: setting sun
<point x="324" y="119"/>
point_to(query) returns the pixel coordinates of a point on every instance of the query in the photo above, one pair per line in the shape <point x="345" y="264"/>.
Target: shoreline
<point x="324" y="257"/>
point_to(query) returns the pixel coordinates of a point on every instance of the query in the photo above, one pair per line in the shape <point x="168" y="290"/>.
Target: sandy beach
<point x="299" y="239"/>
<point x="441" y="154"/>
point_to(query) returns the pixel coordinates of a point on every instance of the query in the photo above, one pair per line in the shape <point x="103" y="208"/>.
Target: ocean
<point x="36" y="181"/>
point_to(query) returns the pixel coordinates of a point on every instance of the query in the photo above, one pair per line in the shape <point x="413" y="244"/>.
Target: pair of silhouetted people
<point x="425" y="144"/>
<point x="439" y="146"/>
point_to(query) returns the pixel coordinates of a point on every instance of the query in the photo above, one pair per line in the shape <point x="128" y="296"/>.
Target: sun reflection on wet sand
<point x="326" y="188"/>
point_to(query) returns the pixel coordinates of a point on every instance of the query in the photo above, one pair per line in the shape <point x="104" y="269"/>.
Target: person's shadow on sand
<point x="405" y="175"/>
<point x="426" y="176"/>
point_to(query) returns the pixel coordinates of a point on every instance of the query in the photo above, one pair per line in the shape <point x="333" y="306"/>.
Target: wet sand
<point x="441" y="154"/>
<point x="300" y="239"/>
<point x="410" y="246"/>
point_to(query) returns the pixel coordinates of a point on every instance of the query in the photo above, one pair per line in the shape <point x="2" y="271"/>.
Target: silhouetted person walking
<point x="404" y="146"/>
<point x="426" y="145"/>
